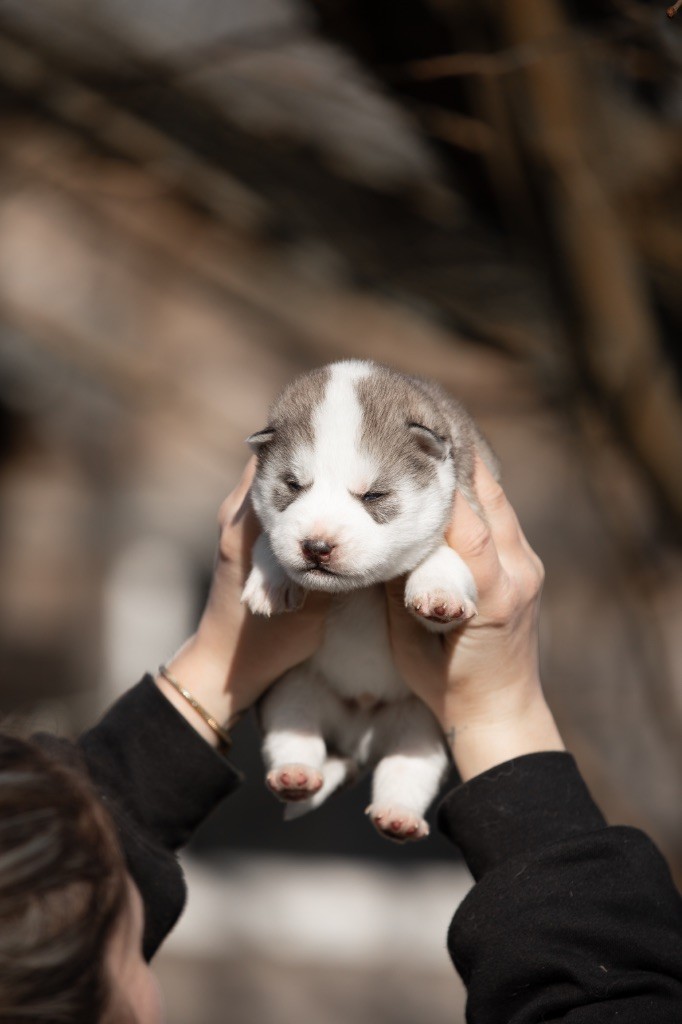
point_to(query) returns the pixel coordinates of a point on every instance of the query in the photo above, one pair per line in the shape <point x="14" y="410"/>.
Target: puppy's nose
<point x="316" y="550"/>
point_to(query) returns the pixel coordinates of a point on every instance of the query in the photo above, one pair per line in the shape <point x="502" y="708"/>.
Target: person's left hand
<point x="234" y="655"/>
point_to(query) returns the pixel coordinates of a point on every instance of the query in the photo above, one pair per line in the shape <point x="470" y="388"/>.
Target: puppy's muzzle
<point x="316" y="551"/>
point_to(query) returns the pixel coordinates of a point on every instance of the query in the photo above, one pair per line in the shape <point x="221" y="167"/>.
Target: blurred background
<point x="199" y="200"/>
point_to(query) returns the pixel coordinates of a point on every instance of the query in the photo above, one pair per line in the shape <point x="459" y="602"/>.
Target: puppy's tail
<point x="337" y="772"/>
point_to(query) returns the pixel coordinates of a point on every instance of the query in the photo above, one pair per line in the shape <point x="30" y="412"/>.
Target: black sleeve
<point x="570" y="919"/>
<point x="159" y="779"/>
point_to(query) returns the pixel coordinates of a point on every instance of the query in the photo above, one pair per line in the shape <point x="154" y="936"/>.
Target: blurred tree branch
<point x="534" y="143"/>
<point x="613" y="335"/>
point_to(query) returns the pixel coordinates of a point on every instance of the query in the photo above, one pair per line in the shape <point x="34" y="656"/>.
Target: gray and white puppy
<point x="356" y="476"/>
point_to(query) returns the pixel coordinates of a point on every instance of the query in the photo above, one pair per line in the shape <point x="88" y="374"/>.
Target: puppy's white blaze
<point x="337" y="461"/>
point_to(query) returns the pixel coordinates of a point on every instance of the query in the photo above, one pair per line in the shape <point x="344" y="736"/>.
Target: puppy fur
<point x="357" y="470"/>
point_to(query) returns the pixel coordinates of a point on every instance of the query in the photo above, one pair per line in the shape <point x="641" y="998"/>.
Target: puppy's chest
<point x="355" y="658"/>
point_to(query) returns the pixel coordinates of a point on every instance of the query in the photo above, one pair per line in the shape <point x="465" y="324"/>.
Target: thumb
<point x="395" y="590"/>
<point x="413" y="647"/>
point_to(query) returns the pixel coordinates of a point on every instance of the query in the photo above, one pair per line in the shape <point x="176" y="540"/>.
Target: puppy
<point x="357" y="470"/>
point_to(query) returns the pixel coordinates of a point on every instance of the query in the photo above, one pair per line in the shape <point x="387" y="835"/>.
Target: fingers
<point x="515" y="553"/>
<point x="405" y="624"/>
<point x="395" y="595"/>
<point x="504" y="524"/>
<point x="236" y="503"/>
<point x="247" y="518"/>
<point x="246" y="479"/>
<point x="316" y="604"/>
<point x="237" y="521"/>
<point x="473" y="540"/>
<point x="415" y="650"/>
<point x="495" y="546"/>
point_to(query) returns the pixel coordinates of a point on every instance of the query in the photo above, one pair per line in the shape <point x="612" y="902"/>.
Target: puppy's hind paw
<point x="397" y="823"/>
<point x="294" y="781"/>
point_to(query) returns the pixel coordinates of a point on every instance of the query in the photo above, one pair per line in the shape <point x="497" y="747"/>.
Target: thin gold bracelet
<point x="211" y="722"/>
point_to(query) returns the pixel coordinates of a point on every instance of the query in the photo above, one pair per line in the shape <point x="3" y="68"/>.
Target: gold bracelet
<point x="211" y="722"/>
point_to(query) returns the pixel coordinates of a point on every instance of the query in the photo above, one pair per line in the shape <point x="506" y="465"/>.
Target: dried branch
<point x="469" y="133"/>
<point x="614" y="339"/>
<point x="503" y="62"/>
<point x="123" y="133"/>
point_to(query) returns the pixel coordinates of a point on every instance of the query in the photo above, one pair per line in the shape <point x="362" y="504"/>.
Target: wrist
<point x="481" y="741"/>
<point x="205" y="676"/>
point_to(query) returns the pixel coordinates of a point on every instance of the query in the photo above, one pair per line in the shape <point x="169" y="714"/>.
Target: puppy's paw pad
<point x="440" y="610"/>
<point x="294" y="781"/>
<point x="265" y="597"/>
<point x="397" y="823"/>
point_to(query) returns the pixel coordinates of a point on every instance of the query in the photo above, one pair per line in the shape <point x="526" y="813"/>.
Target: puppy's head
<point x="355" y="476"/>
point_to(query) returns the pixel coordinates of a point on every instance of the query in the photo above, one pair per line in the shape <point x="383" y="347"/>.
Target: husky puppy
<point x="357" y="471"/>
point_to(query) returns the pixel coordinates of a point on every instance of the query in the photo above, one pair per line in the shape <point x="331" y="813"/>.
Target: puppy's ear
<point x="430" y="443"/>
<point x="258" y="440"/>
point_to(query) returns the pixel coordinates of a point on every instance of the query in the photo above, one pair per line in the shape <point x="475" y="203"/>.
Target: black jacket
<point x="570" y="920"/>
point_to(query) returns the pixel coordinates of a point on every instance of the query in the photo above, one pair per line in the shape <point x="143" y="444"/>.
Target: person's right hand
<point x="482" y="681"/>
<point x="234" y="655"/>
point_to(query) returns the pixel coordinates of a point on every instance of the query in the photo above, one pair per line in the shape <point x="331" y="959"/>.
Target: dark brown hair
<point x="62" y="890"/>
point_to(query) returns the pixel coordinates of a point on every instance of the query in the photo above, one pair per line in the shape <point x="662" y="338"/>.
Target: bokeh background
<point x="200" y="199"/>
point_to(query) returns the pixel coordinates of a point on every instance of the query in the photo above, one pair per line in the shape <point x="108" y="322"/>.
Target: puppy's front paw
<point x="397" y="823"/>
<point x="440" y="610"/>
<point x="294" y="781"/>
<point x="271" y="594"/>
<point x="441" y="591"/>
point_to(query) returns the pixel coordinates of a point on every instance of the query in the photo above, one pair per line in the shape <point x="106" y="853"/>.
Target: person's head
<point x="70" y="916"/>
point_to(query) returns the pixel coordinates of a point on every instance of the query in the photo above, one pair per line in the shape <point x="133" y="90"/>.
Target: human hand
<point x="234" y="655"/>
<point x="482" y="681"/>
